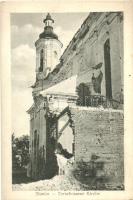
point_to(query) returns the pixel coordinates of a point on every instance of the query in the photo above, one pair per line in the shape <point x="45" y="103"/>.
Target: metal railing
<point x="97" y="101"/>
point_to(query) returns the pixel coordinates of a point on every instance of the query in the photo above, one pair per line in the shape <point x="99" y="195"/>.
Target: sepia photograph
<point x="67" y="87"/>
<point x="66" y="100"/>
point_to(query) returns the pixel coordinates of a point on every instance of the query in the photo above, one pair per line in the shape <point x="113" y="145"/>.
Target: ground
<point x="60" y="182"/>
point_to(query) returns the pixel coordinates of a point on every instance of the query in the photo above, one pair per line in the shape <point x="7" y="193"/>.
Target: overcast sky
<point x="25" y="29"/>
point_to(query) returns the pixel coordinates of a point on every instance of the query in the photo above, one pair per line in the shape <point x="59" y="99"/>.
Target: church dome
<point x="48" y="29"/>
<point x="48" y="33"/>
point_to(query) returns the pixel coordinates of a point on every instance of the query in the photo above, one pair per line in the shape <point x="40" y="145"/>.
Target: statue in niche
<point x="96" y="81"/>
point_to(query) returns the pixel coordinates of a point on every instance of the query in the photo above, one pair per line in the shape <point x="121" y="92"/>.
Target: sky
<point x="25" y="30"/>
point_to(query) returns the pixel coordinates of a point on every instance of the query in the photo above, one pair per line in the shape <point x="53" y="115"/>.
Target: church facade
<point x="89" y="74"/>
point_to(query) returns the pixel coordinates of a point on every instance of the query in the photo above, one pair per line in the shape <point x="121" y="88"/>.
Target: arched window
<point x="35" y="138"/>
<point x="41" y="61"/>
<point x="107" y="61"/>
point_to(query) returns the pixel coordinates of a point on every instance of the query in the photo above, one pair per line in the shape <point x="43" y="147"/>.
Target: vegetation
<point x="20" y="151"/>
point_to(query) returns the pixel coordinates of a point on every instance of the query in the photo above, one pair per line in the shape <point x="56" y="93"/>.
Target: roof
<point x="31" y="108"/>
<point x="48" y="33"/>
<point x="84" y="29"/>
<point x="66" y="87"/>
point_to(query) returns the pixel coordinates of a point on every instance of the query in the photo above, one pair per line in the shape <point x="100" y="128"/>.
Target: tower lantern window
<point x="48" y="23"/>
<point x="48" y="20"/>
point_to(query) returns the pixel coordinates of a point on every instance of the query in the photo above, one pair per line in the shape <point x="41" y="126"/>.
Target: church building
<point x="86" y="80"/>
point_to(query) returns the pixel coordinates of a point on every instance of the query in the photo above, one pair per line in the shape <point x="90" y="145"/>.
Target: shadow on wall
<point x="57" y="159"/>
<point x="92" y="176"/>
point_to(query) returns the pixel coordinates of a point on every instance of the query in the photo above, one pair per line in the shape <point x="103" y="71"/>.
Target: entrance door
<point x="107" y="69"/>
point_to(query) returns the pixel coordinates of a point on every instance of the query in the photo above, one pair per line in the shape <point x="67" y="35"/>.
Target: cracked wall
<point x="101" y="133"/>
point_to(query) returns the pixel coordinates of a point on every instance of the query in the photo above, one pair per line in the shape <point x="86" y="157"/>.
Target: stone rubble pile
<point x="60" y="182"/>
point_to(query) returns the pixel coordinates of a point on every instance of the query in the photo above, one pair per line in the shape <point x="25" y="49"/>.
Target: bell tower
<point x="48" y="50"/>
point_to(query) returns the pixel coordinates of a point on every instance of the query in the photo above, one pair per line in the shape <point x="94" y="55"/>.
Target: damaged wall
<point x="37" y="140"/>
<point x="66" y="138"/>
<point x="101" y="133"/>
<point x="86" y="50"/>
<point x="96" y="131"/>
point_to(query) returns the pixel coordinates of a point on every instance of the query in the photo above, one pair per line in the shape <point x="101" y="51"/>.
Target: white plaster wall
<point x="42" y="139"/>
<point x="50" y="46"/>
<point x="116" y="63"/>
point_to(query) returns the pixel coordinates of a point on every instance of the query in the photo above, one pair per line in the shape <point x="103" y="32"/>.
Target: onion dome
<point x="48" y="29"/>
